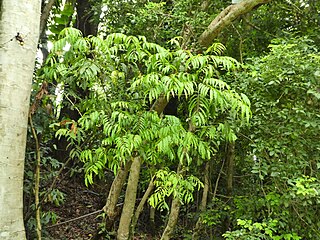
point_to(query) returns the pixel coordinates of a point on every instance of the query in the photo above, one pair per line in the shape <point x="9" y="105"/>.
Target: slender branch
<point x="37" y="179"/>
<point x="226" y="17"/>
<point x="45" y="15"/>
<point x="141" y="205"/>
<point x="74" y="219"/>
<point x="218" y="179"/>
<point x="240" y="44"/>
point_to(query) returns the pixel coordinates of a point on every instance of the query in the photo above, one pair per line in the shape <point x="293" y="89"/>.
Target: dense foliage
<point x="230" y="145"/>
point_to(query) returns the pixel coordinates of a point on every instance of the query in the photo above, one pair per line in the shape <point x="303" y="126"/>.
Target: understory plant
<point x="126" y="84"/>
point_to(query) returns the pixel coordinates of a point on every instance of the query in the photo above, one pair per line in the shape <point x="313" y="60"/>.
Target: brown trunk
<point x="160" y="104"/>
<point x="45" y="15"/>
<point x="173" y="219"/>
<point x="230" y="164"/>
<point x="229" y="181"/>
<point x="226" y="17"/>
<point x="174" y="212"/>
<point x="116" y="187"/>
<point x="130" y="200"/>
<point x="152" y="222"/>
<point x="204" y="200"/>
<point x="176" y="204"/>
<point x="141" y="205"/>
<point x="85" y="18"/>
<point x="114" y="194"/>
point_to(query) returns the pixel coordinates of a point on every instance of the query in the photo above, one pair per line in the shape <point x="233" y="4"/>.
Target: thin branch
<point x="45" y="15"/>
<point x="240" y="44"/>
<point x="226" y="17"/>
<point x="74" y="219"/>
<point x="218" y="179"/>
<point x="37" y="179"/>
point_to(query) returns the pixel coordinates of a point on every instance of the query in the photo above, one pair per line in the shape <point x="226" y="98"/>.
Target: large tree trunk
<point x="226" y="17"/>
<point x="18" y="19"/>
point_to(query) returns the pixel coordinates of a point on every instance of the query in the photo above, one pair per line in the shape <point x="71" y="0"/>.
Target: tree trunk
<point x="130" y="200"/>
<point x="45" y="15"/>
<point x="226" y="17"/>
<point x="174" y="212"/>
<point x="85" y="19"/>
<point x="152" y="214"/>
<point x="230" y="164"/>
<point x="173" y="219"/>
<point x="176" y="204"/>
<point x="204" y="200"/>
<point x="116" y="187"/>
<point x="141" y="206"/>
<point x="19" y="32"/>
<point x="230" y="155"/>
<point x="114" y="194"/>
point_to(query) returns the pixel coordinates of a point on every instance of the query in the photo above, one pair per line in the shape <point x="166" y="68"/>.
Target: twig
<point x="74" y="219"/>
<point x="240" y="44"/>
<point x="218" y="179"/>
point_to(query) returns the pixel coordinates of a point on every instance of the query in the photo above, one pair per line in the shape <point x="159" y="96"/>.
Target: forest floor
<point x="78" y="216"/>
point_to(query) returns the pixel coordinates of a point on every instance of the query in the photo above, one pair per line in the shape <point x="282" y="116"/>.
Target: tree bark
<point x="17" y="57"/>
<point x="114" y="194"/>
<point x="230" y="165"/>
<point x="152" y="221"/>
<point x="176" y="203"/>
<point x="85" y="21"/>
<point x="130" y="200"/>
<point x="226" y="17"/>
<point x="230" y="155"/>
<point x="141" y="206"/>
<point x="117" y="184"/>
<point x="174" y="212"/>
<point x="204" y="200"/>
<point x="45" y="15"/>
